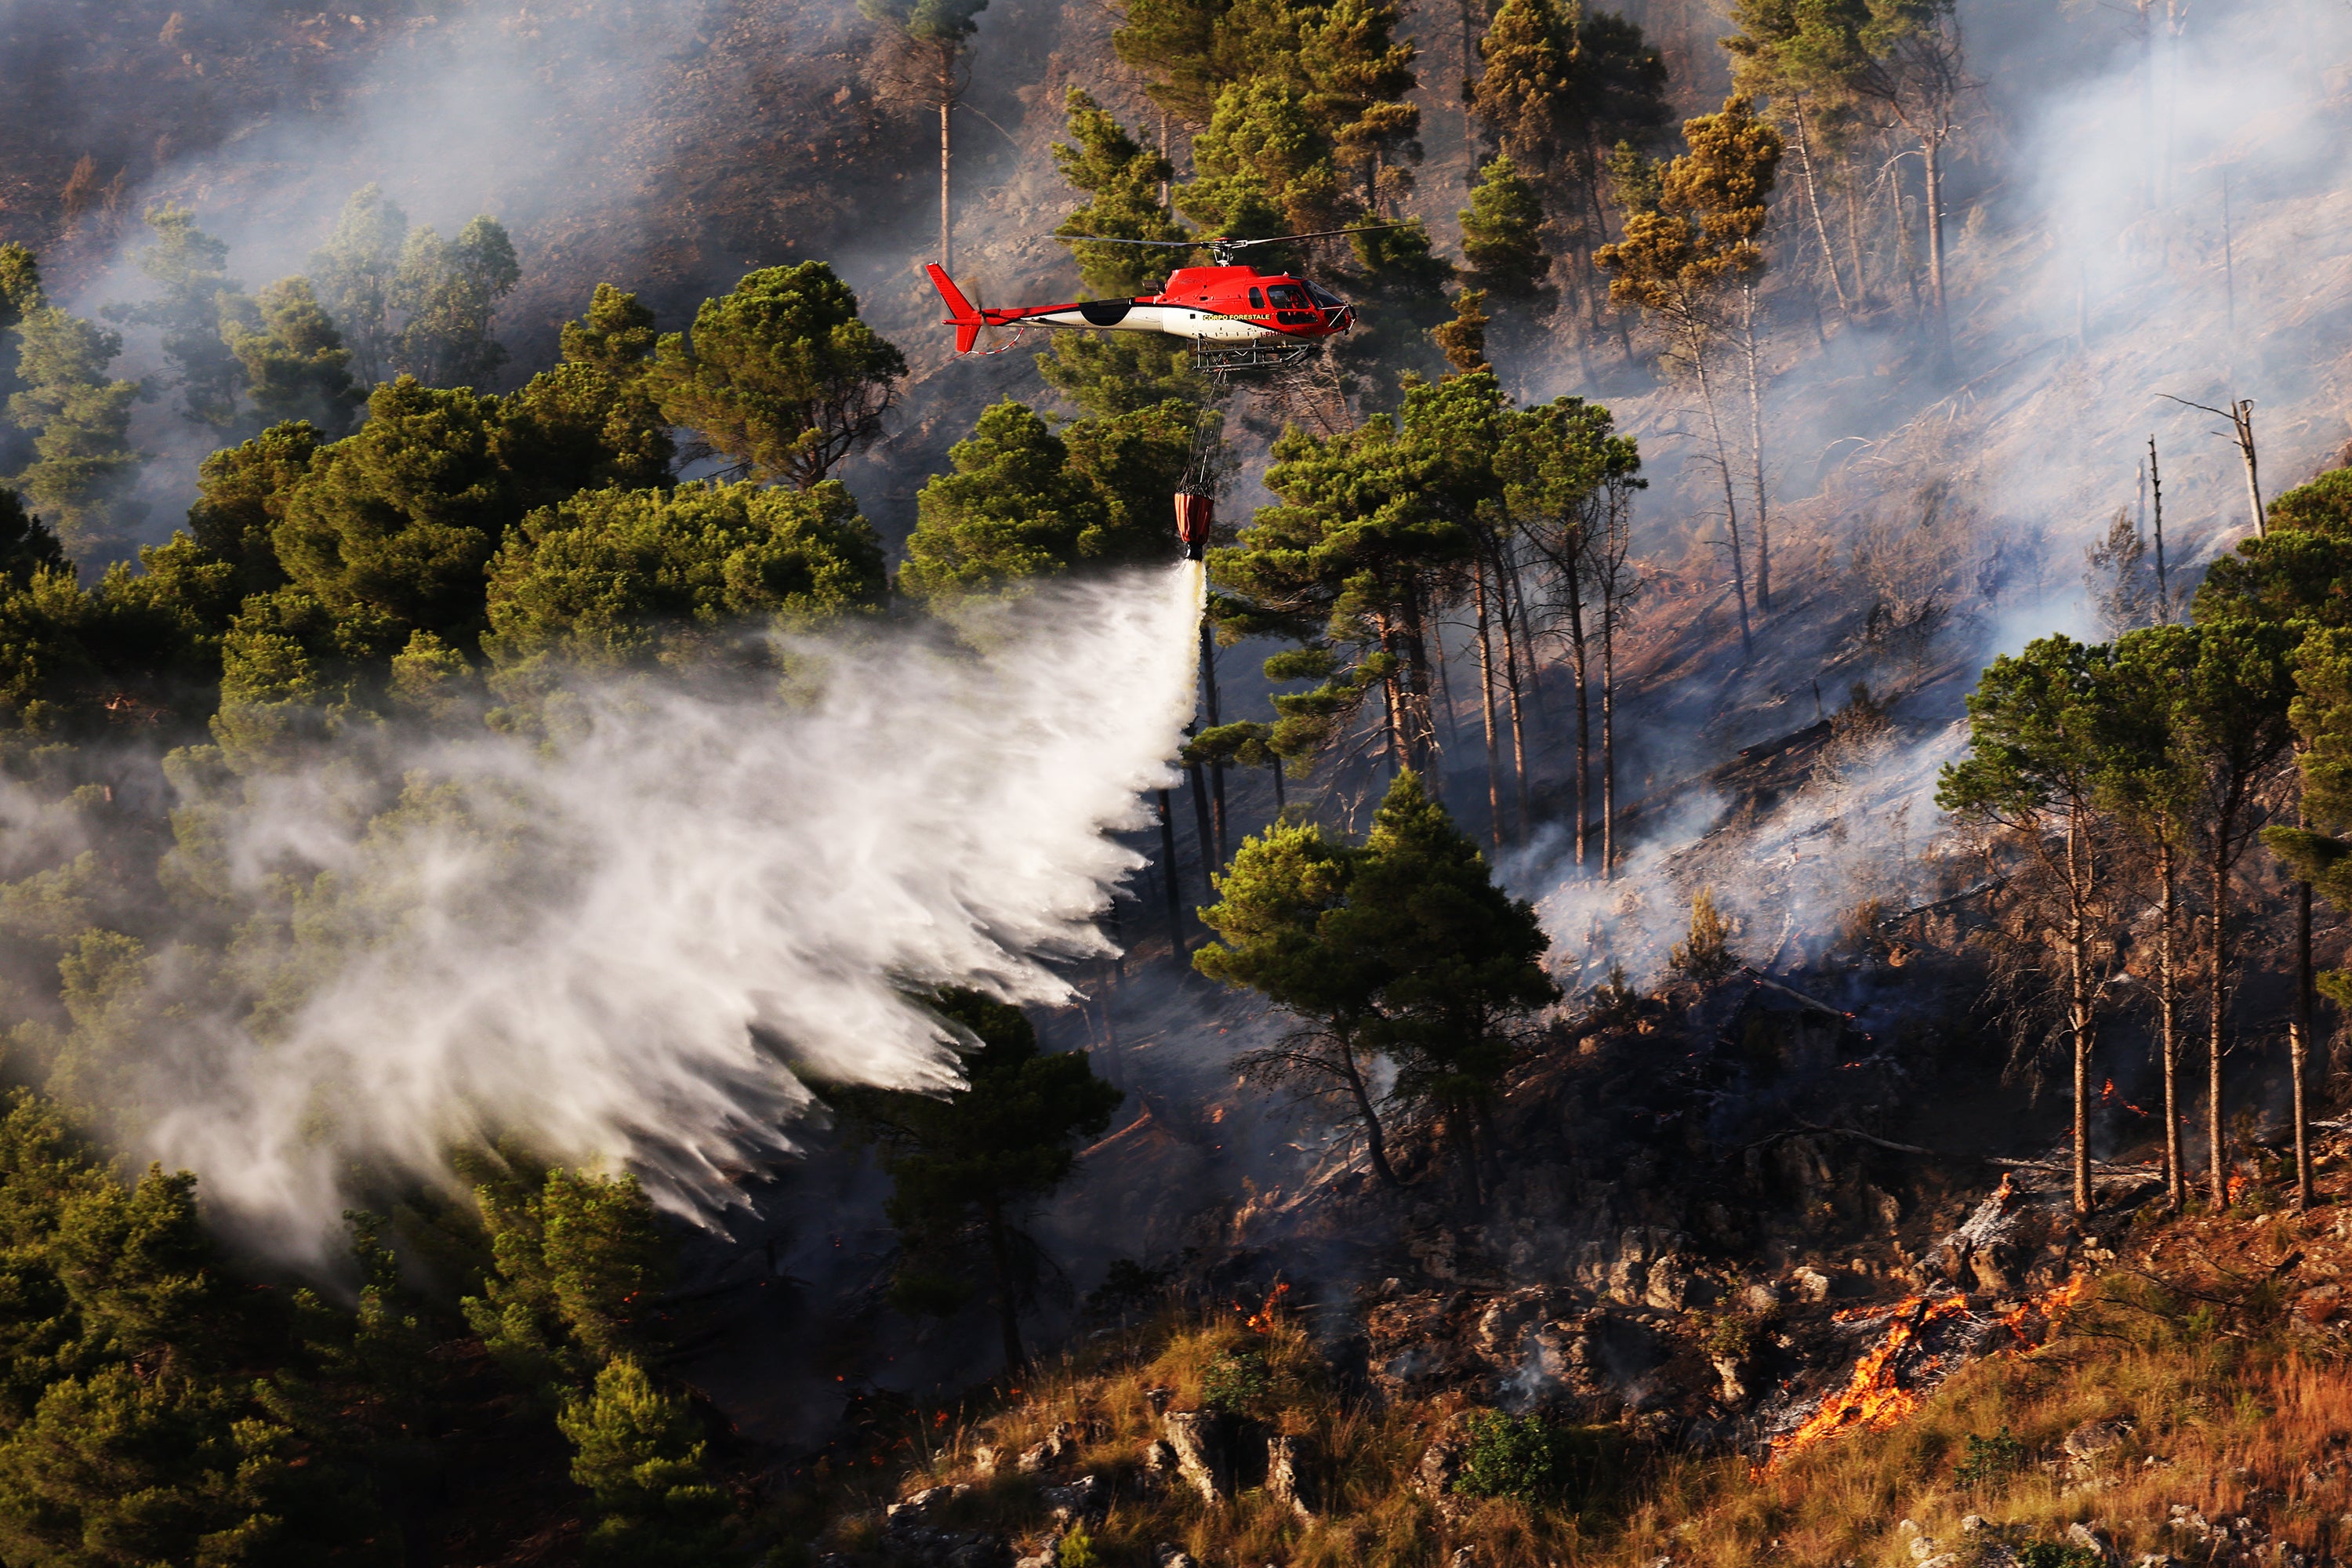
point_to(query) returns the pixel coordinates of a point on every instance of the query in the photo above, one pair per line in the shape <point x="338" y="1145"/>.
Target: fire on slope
<point x="1924" y="1336"/>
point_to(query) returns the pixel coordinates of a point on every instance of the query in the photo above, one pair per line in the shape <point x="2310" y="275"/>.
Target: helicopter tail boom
<point x="966" y="320"/>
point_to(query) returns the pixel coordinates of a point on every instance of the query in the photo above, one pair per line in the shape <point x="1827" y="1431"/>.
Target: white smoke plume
<point x="2095" y="268"/>
<point x="631" y="942"/>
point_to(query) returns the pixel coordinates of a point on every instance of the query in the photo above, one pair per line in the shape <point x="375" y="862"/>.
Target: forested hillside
<point x="646" y="918"/>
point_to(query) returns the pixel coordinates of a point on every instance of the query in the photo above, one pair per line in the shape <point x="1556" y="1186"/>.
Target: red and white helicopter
<point x="1236" y="318"/>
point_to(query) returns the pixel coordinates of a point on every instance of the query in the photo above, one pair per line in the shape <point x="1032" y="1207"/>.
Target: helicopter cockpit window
<point x="1328" y="301"/>
<point x="1257" y="300"/>
<point x="1286" y="296"/>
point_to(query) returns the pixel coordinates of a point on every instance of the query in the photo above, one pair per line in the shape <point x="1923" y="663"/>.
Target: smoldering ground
<point x="635" y="938"/>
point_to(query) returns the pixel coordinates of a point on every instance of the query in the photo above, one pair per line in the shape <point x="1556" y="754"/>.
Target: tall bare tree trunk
<point x="947" y="107"/>
<point x="1519" y="726"/>
<point x="1376" y="1142"/>
<point x="1854" y="237"/>
<point x="1756" y="453"/>
<point x="1583" y="721"/>
<point x="2300" y="1046"/>
<point x="1608" y="739"/>
<point x="1486" y="701"/>
<point x="2175" y="1182"/>
<point x="1731" y="499"/>
<point x="2218" y="950"/>
<point x="2079" y="1002"/>
<point x="1930" y="152"/>
<point x="1813" y="201"/>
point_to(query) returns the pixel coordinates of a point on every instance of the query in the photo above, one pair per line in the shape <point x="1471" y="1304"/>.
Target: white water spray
<point x="635" y="943"/>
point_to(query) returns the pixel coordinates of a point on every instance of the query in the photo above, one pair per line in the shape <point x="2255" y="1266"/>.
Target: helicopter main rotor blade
<point x="1319" y="234"/>
<point x="1204" y="244"/>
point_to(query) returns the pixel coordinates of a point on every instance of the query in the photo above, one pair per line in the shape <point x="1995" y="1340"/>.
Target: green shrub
<point x="2052" y="1554"/>
<point x="1235" y="1384"/>
<point x="1989" y="1460"/>
<point x="1528" y="1458"/>
<point x="1076" y="1550"/>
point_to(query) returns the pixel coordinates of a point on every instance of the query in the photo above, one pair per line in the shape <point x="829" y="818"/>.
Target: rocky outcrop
<point x="916" y="1531"/>
<point x="1202" y="1456"/>
<point x="1285" y="1483"/>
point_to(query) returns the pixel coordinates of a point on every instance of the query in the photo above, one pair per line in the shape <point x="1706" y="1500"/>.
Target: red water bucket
<point x="1195" y="516"/>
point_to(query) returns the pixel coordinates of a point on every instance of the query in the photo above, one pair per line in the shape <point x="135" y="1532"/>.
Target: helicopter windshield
<point x="1328" y="301"/>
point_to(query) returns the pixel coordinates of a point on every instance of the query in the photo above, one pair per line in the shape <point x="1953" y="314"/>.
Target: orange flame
<point x="2237" y="1186"/>
<point x="2050" y="1306"/>
<point x="1263" y="1320"/>
<point x="1872" y="1398"/>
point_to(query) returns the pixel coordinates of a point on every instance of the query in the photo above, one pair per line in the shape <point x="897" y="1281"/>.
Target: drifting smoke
<point x="638" y="941"/>
<point x="2095" y="267"/>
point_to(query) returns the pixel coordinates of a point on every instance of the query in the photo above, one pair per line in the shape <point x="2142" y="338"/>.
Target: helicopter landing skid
<point x="1256" y="356"/>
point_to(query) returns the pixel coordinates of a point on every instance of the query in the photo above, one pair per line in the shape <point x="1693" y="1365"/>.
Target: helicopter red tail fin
<point x="966" y="320"/>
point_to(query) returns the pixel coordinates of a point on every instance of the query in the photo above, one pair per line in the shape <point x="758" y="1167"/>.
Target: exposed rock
<point x="2086" y="1443"/>
<point x="1085" y="1498"/>
<point x="1199" y="1449"/>
<point x="1762" y="1301"/>
<point x="1158" y="1398"/>
<point x="1971" y="1524"/>
<point x="919" y="1508"/>
<point x="1166" y="1556"/>
<point x="2088" y="1538"/>
<point x="987" y="1459"/>
<point x="1159" y="1459"/>
<point x="1810" y="1284"/>
<point x="1283" y="1482"/>
<point x="1060" y="1446"/>
<point x="1734" y="1391"/>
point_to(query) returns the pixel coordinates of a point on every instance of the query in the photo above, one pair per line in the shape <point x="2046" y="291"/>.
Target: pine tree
<point x="356" y="275"/>
<point x="618" y="579"/>
<point x="1502" y="236"/>
<point x="576" y="1266"/>
<point x="1502" y="245"/>
<point x="927" y="45"/>
<point x="1266" y="166"/>
<point x="640" y="1452"/>
<point x="779" y="375"/>
<point x="965" y="1168"/>
<point x="20" y="296"/>
<point x="1403" y="948"/>
<point x="1025" y="504"/>
<point x="294" y="363"/>
<point x="1463" y="340"/>
<point x="84" y="472"/>
<point x="1682" y="261"/>
<point x="198" y="303"/>
<point x="616" y="334"/>
<point x="2040" y="751"/>
<point x="1107" y="374"/>
<point x="1123" y="180"/>
<point x="241" y="495"/>
<point x="449" y="292"/>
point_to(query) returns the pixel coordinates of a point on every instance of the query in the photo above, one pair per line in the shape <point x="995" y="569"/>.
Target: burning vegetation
<point x="526" y="654"/>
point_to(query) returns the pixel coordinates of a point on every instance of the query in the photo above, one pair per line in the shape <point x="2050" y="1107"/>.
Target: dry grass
<point x="2233" y="1412"/>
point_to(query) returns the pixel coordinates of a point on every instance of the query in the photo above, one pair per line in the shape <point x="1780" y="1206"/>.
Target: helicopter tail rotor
<point x="966" y="320"/>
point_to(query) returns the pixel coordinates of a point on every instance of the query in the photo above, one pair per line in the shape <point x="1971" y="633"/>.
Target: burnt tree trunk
<point x="1486" y="703"/>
